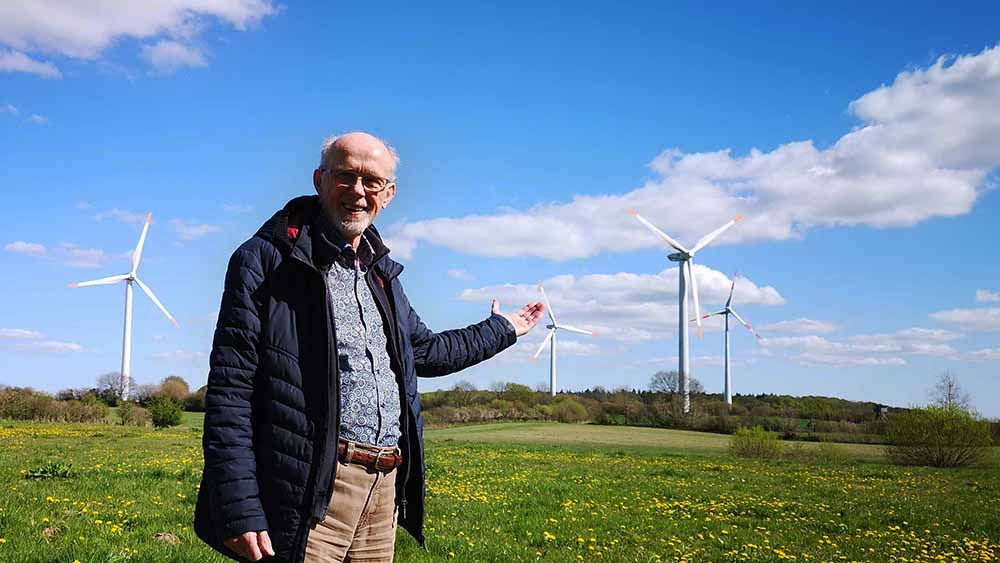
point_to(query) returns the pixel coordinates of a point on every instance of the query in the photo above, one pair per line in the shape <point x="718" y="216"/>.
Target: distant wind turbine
<point x="686" y="275"/>
<point x="551" y="340"/>
<point x="128" y="279"/>
<point x="728" y="394"/>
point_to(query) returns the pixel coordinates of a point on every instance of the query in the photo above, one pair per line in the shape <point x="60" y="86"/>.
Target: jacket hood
<point x="292" y="229"/>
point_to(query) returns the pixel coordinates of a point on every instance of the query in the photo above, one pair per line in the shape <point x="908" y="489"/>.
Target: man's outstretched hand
<point x="252" y="545"/>
<point x="523" y="319"/>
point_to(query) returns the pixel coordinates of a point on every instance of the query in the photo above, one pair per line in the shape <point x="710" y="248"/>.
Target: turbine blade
<point x="705" y="240"/>
<point x="694" y="293"/>
<point x="544" y="342"/>
<point x="676" y="245"/>
<point x="548" y="307"/>
<point x="574" y="329"/>
<point x="746" y="324"/>
<point x="710" y="315"/>
<point x="102" y="281"/>
<point x="137" y="253"/>
<point x="731" y="288"/>
<point x="149" y="292"/>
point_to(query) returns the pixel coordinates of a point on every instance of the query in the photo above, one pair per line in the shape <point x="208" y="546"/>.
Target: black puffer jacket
<point x="272" y="406"/>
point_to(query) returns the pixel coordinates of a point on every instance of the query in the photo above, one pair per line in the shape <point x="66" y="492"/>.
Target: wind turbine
<point x="551" y="340"/>
<point x="728" y="310"/>
<point x="686" y="275"/>
<point x="128" y="279"/>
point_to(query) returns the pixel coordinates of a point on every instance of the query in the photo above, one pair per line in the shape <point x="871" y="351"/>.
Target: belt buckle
<point x="384" y="454"/>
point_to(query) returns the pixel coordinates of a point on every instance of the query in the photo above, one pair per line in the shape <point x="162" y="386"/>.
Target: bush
<point x="565" y="410"/>
<point x="755" y="443"/>
<point x="131" y="414"/>
<point x="938" y="437"/>
<point x="165" y="412"/>
<point x="27" y="404"/>
<point x="828" y="452"/>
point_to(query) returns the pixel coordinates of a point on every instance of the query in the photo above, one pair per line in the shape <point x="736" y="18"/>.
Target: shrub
<point x="165" y="412"/>
<point x="566" y="410"/>
<point x="938" y="437"/>
<point x="131" y="414"/>
<point x="828" y="452"/>
<point x="755" y="443"/>
<point x="28" y="404"/>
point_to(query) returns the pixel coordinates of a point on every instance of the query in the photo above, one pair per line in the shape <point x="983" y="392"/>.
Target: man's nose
<point x="358" y="187"/>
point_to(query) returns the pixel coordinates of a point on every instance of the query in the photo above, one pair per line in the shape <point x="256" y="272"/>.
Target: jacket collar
<point x="297" y="230"/>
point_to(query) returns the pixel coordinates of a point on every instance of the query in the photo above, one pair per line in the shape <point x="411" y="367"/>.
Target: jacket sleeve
<point x="230" y="466"/>
<point x="441" y="353"/>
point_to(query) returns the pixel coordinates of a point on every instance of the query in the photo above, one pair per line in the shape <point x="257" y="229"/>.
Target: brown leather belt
<point x="371" y="458"/>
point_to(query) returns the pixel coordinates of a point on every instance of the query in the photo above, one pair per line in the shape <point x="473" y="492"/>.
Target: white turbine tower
<point x="128" y="279"/>
<point x="728" y="394"/>
<point x="551" y="340"/>
<point x="685" y="276"/>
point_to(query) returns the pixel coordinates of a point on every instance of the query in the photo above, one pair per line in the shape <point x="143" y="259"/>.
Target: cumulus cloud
<point x="8" y="108"/>
<point x="237" y="208"/>
<point x="180" y="355"/>
<point x="192" y="231"/>
<point x="624" y="306"/>
<point x="987" y="296"/>
<point x="867" y="349"/>
<point x="924" y="147"/>
<point x="985" y="319"/>
<point x="22" y="247"/>
<point x="20" y="334"/>
<point x="985" y="355"/>
<point x="460" y="274"/>
<point x="36" y="119"/>
<point x="121" y="215"/>
<point x="799" y="326"/>
<point x="78" y="257"/>
<point x="169" y="28"/>
<point x="168" y="55"/>
<point x="16" y="61"/>
<point x="56" y="347"/>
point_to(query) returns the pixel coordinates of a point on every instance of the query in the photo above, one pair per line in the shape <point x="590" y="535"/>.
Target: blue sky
<point x="858" y="141"/>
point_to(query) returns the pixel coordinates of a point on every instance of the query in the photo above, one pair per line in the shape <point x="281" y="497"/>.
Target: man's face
<point x="356" y="161"/>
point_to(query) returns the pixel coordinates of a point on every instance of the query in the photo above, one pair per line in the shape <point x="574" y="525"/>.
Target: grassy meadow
<point x="522" y="492"/>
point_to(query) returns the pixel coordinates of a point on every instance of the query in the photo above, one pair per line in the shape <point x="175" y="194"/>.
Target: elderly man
<point x="313" y="437"/>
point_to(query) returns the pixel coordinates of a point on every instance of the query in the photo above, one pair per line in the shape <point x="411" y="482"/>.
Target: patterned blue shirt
<point x="369" y="395"/>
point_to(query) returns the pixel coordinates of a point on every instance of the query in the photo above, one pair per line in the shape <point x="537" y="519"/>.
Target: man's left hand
<point x="524" y="319"/>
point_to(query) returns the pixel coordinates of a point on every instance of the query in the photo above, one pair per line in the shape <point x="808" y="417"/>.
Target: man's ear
<point x="318" y="180"/>
<point x="390" y="192"/>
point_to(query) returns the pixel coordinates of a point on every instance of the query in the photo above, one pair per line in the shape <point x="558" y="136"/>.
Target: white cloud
<point x="168" y="55"/>
<point x="121" y="215"/>
<point x="37" y="119"/>
<point x="8" y="108"/>
<point x="20" y="334"/>
<point x="401" y="247"/>
<point x="84" y="30"/>
<point x="180" y="355"/>
<point x="192" y="231"/>
<point x="624" y="306"/>
<point x="29" y="248"/>
<point x="16" y="61"/>
<point x="985" y="355"/>
<point x="78" y="257"/>
<point x="868" y="349"/>
<point x="460" y="274"/>
<point x="987" y="296"/>
<point x="799" y="326"/>
<point x="924" y="147"/>
<point x="809" y="358"/>
<point x="237" y="208"/>
<point x="984" y="319"/>
<point x="50" y="347"/>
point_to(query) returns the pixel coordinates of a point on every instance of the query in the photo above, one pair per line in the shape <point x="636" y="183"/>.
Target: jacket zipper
<point x="394" y="333"/>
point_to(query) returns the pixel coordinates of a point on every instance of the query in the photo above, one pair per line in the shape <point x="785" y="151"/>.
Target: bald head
<point x="377" y="154"/>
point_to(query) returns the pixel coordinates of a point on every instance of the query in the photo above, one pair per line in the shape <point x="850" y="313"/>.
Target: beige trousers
<point x="360" y="523"/>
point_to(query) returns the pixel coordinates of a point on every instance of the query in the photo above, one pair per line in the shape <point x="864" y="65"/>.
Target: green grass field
<point x="522" y="492"/>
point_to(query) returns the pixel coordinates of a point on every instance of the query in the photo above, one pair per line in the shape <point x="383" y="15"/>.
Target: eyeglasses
<point x="349" y="179"/>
